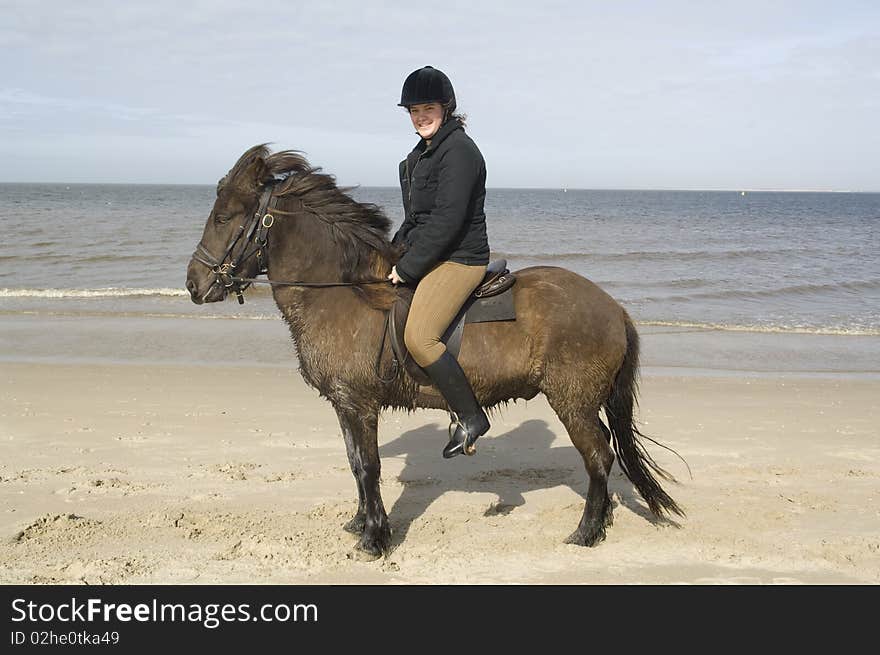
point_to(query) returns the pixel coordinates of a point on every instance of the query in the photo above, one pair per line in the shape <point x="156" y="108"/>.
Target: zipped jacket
<point x="444" y="188"/>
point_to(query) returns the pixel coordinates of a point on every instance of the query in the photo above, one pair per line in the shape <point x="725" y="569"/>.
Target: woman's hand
<point x="394" y="277"/>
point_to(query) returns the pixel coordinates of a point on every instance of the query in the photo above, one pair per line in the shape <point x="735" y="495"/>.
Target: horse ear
<point x="262" y="174"/>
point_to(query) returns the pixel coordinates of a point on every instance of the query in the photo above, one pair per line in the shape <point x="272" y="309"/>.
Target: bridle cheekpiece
<point x="256" y="239"/>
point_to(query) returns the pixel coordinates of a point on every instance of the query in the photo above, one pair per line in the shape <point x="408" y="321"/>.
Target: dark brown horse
<point x="570" y="341"/>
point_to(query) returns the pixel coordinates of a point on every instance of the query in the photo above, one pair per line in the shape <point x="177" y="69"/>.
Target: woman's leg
<point x="438" y="298"/>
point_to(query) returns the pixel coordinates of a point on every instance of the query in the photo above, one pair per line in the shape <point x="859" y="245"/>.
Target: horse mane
<point x="359" y="229"/>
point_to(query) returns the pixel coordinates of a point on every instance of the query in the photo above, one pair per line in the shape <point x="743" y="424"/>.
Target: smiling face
<point x="426" y="118"/>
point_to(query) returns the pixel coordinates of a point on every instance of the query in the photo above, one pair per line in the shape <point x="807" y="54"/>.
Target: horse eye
<point x="221" y="218"/>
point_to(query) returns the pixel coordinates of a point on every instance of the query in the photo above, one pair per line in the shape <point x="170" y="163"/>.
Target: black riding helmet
<point x="426" y="85"/>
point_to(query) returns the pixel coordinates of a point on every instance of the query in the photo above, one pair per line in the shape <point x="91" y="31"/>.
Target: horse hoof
<point x="361" y="555"/>
<point x="355" y="525"/>
<point x="578" y="538"/>
<point x="370" y="550"/>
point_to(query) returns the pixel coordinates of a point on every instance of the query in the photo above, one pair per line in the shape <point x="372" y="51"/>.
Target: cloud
<point x="21" y="101"/>
<point x="682" y="88"/>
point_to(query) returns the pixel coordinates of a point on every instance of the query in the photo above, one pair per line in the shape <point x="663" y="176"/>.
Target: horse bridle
<point x="257" y="230"/>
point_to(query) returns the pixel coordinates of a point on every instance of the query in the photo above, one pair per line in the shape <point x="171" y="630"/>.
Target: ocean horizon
<point x="488" y="187"/>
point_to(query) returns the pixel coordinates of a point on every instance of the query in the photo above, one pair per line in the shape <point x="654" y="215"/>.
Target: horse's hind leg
<point x="590" y="437"/>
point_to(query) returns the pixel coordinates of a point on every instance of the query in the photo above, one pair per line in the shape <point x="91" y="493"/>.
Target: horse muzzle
<point x="203" y="289"/>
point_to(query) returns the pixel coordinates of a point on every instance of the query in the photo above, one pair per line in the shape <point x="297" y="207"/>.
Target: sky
<point x="580" y="94"/>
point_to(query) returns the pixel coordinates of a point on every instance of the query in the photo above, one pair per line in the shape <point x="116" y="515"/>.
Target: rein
<point x="316" y="285"/>
<point x="257" y="230"/>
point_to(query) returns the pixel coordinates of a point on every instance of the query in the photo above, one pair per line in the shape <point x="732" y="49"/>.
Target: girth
<point x="492" y="300"/>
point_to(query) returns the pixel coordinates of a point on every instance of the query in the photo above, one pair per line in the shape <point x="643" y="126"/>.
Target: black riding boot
<point x="470" y="419"/>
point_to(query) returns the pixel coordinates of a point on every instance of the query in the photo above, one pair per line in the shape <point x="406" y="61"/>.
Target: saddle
<point x="492" y="300"/>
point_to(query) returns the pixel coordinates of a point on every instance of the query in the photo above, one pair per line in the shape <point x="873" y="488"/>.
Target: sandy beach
<point x="131" y="472"/>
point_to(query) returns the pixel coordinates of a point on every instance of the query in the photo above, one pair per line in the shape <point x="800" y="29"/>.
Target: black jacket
<point x="444" y="187"/>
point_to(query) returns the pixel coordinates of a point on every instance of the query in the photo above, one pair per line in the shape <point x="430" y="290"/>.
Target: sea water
<point x="724" y="262"/>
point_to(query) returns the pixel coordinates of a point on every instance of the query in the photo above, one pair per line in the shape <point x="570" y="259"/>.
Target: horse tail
<point x="632" y="457"/>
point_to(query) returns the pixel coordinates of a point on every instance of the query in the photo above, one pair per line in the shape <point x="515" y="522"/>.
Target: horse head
<point x="223" y="249"/>
<point x="325" y="237"/>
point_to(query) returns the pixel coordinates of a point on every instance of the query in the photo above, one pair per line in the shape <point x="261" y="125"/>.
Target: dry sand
<point x="134" y="473"/>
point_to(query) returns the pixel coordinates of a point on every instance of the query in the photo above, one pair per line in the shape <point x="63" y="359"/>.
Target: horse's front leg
<point x="358" y="521"/>
<point x="359" y="428"/>
<point x="356" y="524"/>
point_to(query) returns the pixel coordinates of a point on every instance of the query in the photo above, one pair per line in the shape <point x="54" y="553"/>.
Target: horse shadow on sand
<point x="508" y="465"/>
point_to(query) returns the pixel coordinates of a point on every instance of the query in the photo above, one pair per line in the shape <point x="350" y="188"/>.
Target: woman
<point x="443" y="236"/>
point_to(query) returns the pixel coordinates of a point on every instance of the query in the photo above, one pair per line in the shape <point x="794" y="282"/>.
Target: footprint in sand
<point x="234" y="470"/>
<point x="56" y="528"/>
<point x="111" y="486"/>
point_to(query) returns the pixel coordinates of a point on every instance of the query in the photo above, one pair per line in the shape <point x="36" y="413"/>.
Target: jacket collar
<point x="445" y="130"/>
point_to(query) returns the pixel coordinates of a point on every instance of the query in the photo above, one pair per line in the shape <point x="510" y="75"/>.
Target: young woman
<point x="443" y="181"/>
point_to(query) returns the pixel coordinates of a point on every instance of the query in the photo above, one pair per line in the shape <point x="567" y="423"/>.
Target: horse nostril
<point x="191" y="286"/>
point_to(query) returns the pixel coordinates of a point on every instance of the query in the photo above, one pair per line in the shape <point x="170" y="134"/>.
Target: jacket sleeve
<point x="458" y="173"/>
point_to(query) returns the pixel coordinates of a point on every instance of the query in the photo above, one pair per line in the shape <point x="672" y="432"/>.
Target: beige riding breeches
<point x="438" y="298"/>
